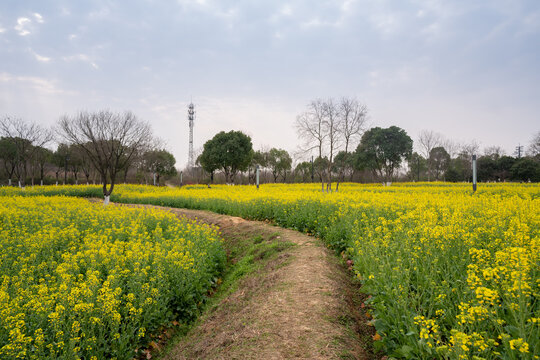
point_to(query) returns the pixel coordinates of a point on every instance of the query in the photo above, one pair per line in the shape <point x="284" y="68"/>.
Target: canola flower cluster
<point x="83" y="281"/>
<point x="454" y="275"/>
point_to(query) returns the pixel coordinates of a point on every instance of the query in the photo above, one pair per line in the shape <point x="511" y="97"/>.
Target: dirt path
<point x="300" y="305"/>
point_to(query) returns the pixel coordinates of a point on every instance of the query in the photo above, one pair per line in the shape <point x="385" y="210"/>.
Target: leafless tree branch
<point x="110" y="140"/>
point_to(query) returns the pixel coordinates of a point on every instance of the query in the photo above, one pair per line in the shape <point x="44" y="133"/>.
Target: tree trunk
<point x="107" y="193"/>
<point x="24" y="173"/>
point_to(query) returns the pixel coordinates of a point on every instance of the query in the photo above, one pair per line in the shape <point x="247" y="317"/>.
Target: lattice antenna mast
<point x="191" y="117"/>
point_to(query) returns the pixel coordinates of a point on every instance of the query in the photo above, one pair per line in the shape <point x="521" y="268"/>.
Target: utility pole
<point x="257" y="176"/>
<point x="191" y="117"/>
<point x="474" y="173"/>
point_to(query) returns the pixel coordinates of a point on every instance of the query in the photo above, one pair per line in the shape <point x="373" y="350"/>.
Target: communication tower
<point x="191" y="117"/>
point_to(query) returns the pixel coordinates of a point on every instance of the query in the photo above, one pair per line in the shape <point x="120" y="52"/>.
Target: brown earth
<point x="300" y="304"/>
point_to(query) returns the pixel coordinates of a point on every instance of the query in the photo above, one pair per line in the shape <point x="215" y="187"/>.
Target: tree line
<point x="100" y="147"/>
<point x="342" y="147"/>
<point x="337" y="145"/>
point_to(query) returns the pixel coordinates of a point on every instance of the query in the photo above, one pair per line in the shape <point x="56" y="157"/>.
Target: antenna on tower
<point x="519" y="150"/>
<point x="191" y="117"/>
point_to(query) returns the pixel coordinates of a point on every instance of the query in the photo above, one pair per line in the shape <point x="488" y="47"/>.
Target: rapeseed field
<point x="80" y="281"/>
<point x="451" y="274"/>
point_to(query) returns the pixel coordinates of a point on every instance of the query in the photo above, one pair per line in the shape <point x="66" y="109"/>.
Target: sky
<point x="469" y="70"/>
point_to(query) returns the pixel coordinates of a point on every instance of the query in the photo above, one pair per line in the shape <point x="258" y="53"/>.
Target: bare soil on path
<point x="300" y="304"/>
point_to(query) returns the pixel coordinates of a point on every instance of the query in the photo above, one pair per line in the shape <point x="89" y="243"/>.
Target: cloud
<point x="385" y="23"/>
<point x="41" y="58"/>
<point x="286" y="10"/>
<point x="346" y="5"/>
<point x="100" y="14"/>
<point x="38" y="17"/>
<point x="334" y="15"/>
<point x="216" y="9"/>
<point x="37" y="98"/>
<point x="38" y="84"/>
<point x="317" y="22"/>
<point x="81" y="57"/>
<point x="23" y="25"/>
<point x="530" y="24"/>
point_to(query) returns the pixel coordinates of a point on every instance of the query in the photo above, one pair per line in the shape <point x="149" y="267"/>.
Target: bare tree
<point x="470" y="149"/>
<point x="452" y="147"/>
<point x="332" y="125"/>
<point x="428" y="140"/>
<point x="110" y="140"/>
<point x="466" y="153"/>
<point x="326" y="127"/>
<point x="534" y="147"/>
<point x="26" y="138"/>
<point x="353" y="121"/>
<point x="311" y="128"/>
<point x="494" y="152"/>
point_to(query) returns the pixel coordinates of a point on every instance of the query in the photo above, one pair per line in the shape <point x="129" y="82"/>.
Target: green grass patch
<point x="247" y="256"/>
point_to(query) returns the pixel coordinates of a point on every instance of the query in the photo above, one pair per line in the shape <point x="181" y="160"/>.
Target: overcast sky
<point x="467" y="69"/>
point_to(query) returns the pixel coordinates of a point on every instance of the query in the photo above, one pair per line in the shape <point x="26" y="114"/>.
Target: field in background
<point x="452" y="274"/>
<point x="83" y="281"/>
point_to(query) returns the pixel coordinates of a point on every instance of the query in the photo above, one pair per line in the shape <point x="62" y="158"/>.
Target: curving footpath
<point x="300" y="305"/>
